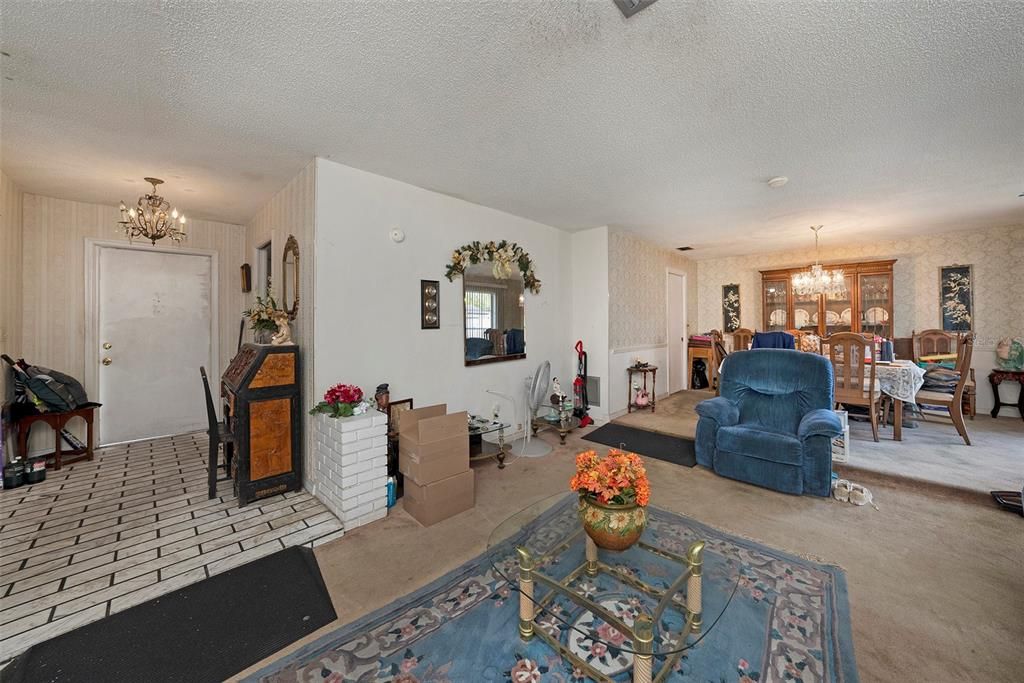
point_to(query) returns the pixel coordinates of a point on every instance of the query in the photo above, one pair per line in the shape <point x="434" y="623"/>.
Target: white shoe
<point x="841" y="490"/>
<point x="859" y="495"/>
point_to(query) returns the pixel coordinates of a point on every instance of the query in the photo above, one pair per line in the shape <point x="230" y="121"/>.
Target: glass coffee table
<point x="482" y="450"/>
<point x="558" y="416"/>
<point x="607" y="612"/>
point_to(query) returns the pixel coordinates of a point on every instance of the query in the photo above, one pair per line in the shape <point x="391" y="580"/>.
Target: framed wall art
<point x="731" y="307"/>
<point x="430" y="309"/>
<point x="956" y="298"/>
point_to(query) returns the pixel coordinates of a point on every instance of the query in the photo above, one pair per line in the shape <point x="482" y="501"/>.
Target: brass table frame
<point x="642" y="632"/>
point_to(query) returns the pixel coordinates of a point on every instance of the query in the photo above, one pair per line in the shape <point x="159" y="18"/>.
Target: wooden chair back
<point x="854" y="378"/>
<point x="211" y="409"/>
<point x="964" y="351"/>
<point x="932" y="342"/>
<point x="741" y="339"/>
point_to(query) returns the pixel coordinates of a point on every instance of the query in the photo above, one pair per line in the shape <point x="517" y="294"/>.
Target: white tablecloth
<point x="902" y="380"/>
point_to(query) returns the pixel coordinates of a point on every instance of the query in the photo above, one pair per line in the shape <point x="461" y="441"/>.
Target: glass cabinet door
<point x="876" y="304"/>
<point x="805" y="312"/>
<point x="839" y="310"/>
<point x="775" y="304"/>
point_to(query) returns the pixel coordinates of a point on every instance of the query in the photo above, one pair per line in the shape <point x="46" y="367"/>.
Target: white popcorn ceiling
<point x="890" y="118"/>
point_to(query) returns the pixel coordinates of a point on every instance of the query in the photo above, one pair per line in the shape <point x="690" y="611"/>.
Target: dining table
<point x="900" y="379"/>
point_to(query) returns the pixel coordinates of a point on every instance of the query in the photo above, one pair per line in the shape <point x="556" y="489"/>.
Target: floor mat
<point x="207" y="631"/>
<point x="672" y="449"/>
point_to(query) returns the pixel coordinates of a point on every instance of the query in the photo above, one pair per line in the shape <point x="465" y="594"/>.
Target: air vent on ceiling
<point x="631" y="7"/>
<point x="684" y="248"/>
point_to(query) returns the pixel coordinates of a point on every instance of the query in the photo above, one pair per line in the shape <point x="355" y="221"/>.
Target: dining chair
<point x="741" y="339"/>
<point x="218" y="433"/>
<point x="953" y="403"/>
<point x="719" y="357"/>
<point x="855" y="382"/>
<point x="934" y="342"/>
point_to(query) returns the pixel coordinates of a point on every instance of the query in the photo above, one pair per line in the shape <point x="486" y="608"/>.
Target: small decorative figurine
<point x="643" y="398"/>
<point x="284" y="330"/>
<point x="557" y="395"/>
<point x="383" y="397"/>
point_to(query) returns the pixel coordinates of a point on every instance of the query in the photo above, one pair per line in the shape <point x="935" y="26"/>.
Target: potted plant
<point x="261" y="319"/>
<point x="342" y="400"/>
<point x="614" y="492"/>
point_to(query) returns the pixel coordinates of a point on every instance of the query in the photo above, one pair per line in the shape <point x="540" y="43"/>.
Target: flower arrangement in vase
<point x="342" y="400"/>
<point x="614" y="493"/>
<point x="261" y="317"/>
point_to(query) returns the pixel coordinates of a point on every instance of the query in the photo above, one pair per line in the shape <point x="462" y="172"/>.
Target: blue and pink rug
<point x="782" y="618"/>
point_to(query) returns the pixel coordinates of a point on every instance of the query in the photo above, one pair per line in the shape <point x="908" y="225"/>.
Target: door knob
<point x="107" y="346"/>
<point x="106" y="361"/>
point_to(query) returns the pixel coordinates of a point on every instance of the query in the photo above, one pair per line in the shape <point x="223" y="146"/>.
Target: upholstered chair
<point x="773" y="423"/>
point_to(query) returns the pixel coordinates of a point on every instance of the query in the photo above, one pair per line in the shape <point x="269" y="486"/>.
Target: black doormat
<point x="204" y="632"/>
<point x="674" y="449"/>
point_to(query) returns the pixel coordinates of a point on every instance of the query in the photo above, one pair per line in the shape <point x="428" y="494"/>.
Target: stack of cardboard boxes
<point x="433" y="454"/>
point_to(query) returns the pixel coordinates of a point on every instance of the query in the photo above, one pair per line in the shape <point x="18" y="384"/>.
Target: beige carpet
<point x="935" y="579"/>
<point x="932" y="452"/>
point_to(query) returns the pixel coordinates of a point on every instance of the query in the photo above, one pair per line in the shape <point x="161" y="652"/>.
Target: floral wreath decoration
<point x="502" y="254"/>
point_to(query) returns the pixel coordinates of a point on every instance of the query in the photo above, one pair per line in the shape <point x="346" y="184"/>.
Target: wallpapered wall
<point x="636" y="290"/>
<point x="10" y="275"/>
<point x="289" y="212"/>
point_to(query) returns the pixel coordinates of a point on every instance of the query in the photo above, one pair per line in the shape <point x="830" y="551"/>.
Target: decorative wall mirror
<point x="494" y="315"/>
<point x="290" y="277"/>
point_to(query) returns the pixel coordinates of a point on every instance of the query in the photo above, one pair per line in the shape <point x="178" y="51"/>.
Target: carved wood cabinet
<point x="261" y="391"/>
<point x="866" y="306"/>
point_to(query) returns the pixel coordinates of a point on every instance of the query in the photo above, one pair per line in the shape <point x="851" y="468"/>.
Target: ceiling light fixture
<point x="777" y="181"/>
<point x="153" y="219"/>
<point x="817" y="280"/>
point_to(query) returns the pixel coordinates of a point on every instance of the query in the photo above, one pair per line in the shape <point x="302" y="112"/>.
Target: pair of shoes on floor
<point x="847" y="492"/>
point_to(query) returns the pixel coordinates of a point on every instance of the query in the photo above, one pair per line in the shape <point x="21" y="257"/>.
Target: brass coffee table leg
<point x="643" y="646"/>
<point x="526" y="605"/>
<point x="695" y="560"/>
<point x="591" y="557"/>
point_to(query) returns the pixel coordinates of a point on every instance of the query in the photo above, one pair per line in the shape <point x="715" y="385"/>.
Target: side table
<point x="58" y="421"/>
<point x="997" y="377"/>
<point x="643" y="370"/>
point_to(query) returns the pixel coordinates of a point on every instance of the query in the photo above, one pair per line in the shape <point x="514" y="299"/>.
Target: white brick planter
<point x="350" y="466"/>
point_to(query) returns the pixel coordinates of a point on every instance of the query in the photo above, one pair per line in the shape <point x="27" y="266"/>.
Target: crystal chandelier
<point x="153" y="219"/>
<point x="817" y="280"/>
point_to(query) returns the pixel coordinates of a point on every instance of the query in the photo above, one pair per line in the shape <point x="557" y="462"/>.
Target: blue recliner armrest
<point x="821" y="422"/>
<point x="721" y="410"/>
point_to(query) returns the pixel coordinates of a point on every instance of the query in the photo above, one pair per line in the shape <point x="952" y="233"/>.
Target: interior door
<point x="154" y="332"/>
<point x="676" y="310"/>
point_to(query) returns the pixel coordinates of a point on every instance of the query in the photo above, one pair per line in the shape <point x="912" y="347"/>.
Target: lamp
<point x="153" y="219"/>
<point x="817" y="280"/>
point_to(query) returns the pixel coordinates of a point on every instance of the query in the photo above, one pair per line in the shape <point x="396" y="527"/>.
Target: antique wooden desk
<point x="262" y="394"/>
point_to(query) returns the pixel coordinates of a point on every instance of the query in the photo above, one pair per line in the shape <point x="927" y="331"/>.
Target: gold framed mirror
<point x="290" y="277"/>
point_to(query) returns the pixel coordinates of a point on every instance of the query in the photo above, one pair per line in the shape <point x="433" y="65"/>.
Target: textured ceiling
<point x="889" y="118"/>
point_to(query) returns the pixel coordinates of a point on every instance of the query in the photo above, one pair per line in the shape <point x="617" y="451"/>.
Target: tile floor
<point x="98" y="537"/>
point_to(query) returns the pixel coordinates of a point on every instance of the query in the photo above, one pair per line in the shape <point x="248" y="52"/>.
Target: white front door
<point x="675" y="301"/>
<point x="154" y="325"/>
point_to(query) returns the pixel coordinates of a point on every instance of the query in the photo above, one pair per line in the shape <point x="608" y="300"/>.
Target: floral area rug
<point x="768" y="616"/>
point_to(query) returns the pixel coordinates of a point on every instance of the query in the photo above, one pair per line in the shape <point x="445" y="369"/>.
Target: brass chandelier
<point x="153" y="219"/>
<point x="817" y="280"/>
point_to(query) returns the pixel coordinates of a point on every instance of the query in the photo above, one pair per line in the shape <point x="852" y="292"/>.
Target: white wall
<point x="367" y="327"/>
<point x="590" y="309"/>
<point x="10" y="282"/>
<point x="997" y="255"/>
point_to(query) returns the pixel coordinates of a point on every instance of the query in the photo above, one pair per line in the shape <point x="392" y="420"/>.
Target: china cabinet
<point x="866" y="306"/>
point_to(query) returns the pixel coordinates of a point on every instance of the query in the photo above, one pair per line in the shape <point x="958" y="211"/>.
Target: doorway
<point x="675" y="316"/>
<point x="154" y="322"/>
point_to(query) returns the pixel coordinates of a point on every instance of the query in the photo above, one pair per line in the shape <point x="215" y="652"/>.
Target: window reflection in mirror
<point x="494" y="318"/>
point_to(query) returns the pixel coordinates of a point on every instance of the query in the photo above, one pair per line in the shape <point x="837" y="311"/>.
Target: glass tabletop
<point x="581" y="607"/>
<point x="482" y="425"/>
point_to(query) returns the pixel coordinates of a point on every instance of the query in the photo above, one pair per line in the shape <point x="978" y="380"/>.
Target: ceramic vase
<point x="612" y="526"/>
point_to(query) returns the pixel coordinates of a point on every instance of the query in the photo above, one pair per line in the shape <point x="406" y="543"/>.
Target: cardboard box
<point x="430" y="503"/>
<point x="430" y="462"/>
<point x="433" y="445"/>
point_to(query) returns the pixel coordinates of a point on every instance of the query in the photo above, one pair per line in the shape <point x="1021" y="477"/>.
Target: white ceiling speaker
<point x="778" y="181"/>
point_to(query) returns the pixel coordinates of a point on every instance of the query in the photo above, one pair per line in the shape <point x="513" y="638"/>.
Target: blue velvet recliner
<point x="773" y="423"/>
